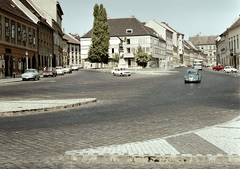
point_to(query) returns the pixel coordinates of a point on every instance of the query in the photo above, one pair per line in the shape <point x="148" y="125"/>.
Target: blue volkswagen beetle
<point x="31" y="74"/>
<point x="192" y="75"/>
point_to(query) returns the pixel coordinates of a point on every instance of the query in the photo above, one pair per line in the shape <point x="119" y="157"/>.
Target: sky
<point x="189" y="17"/>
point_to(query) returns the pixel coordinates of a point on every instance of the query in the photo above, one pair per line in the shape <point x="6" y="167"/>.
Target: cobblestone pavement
<point x="40" y="141"/>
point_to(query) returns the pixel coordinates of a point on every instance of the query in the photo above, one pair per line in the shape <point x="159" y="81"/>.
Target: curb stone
<point x="47" y="105"/>
<point x="183" y="158"/>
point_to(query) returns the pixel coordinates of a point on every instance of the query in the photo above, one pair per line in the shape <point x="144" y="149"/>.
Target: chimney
<point x="131" y="16"/>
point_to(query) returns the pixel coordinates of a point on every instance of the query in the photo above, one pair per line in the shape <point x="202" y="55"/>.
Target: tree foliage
<point x="116" y="58"/>
<point x="98" y="51"/>
<point x="142" y="58"/>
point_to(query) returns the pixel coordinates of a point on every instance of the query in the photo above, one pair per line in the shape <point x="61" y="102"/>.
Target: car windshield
<point x="58" y="68"/>
<point x="192" y="72"/>
<point x="29" y="71"/>
<point x="49" y="68"/>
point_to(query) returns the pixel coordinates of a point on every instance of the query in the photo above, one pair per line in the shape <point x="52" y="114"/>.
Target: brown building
<point x="45" y="35"/>
<point x="18" y="44"/>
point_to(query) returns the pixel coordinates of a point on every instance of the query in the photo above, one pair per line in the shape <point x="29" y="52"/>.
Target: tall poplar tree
<point x="98" y="51"/>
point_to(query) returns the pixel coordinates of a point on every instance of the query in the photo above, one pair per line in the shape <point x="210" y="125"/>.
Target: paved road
<point x="129" y="109"/>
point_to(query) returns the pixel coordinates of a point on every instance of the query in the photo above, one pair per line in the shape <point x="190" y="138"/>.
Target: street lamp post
<point x="27" y="58"/>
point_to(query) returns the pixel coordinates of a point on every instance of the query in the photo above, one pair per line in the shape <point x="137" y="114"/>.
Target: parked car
<point x="218" y="67"/>
<point x="49" y="71"/>
<point x="189" y="65"/>
<point x="80" y="66"/>
<point x="120" y="72"/>
<point x="30" y="74"/>
<point x="192" y="75"/>
<point x="60" y="70"/>
<point x="75" y="67"/>
<point x="67" y="69"/>
<point x="229" y="69"/>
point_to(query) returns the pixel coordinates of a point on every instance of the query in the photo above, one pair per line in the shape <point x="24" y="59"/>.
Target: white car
<point x="60" y="70"/>
<point x="229" y="69"/>
<point x="67" y="69"/>
<point x="75" y="67"/>
<point x="120" y="72"/>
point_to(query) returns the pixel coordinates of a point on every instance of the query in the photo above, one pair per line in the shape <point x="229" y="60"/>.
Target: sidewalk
<point x="216" y="144"/>
<point x="10" y="108"/>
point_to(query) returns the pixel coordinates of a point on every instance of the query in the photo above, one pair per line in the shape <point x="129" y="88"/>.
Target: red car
<point x="218" y="67"/>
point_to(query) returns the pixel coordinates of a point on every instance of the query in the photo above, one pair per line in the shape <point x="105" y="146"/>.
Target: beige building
<point x="72" y="50"/>
<point x="174" y="42"/>
<point x="228" y="47"/>
<point x="53" y="9"/>
<point x="207" y="45"/>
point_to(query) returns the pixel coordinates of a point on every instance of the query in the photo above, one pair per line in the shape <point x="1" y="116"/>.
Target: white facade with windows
<point x="173" y="40"/>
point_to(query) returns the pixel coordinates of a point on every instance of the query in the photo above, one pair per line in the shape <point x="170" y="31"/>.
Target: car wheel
<point x="35" y="78"/>
<point x="185" y="81"/>
<point x="39" y="78"/>
<point x="23" y="79"/>
<point x="231" y="71"/>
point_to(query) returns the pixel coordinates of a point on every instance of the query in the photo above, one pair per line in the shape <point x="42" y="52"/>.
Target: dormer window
<point x="129" y="31"/>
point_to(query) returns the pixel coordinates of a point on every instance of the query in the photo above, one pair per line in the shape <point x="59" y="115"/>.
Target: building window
<point x="129" y="31"/>
<point x="13" y="30"/>
<point x="30" y="36"/>
<point x="34" y="39"/>
<point x="14" y="66"/>
<point x="19" y="37"/>
<point x="112" y="50"/>
<point x="128" y="50"/>
<point x="128" y="41"/>
<point x="24" y="34"/>
<point x="7" y="29"/>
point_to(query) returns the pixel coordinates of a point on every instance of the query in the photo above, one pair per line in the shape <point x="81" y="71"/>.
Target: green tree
<point x="98" y="51"/>
<point x="116" y="58"/>
<point x="142" y="58"/>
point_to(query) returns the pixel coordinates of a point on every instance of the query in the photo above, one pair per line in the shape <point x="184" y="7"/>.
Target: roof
<point x="71" y="39"/>
<point x="190" y="46"/>
<point x="32" y="9"/>
<point x="10" y="7"/>
<point x="169" y="28"/>
<point x="235" y="24"/>
<point x="119" y="26"/>
<point x="203" y="40"/>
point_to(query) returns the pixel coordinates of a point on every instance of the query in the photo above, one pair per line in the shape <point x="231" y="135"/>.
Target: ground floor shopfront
<point x="14" y="61"/>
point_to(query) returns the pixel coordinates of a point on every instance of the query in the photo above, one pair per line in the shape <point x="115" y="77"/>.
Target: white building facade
<point x="174" y="42"/>
<point x="133" y="33"/>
